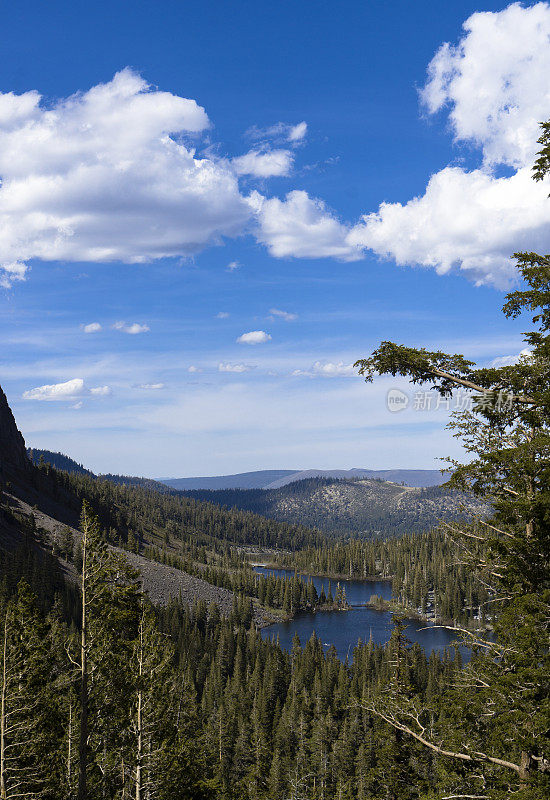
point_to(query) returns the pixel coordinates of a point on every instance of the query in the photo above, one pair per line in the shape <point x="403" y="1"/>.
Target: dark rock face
<point x="13" y="454"/>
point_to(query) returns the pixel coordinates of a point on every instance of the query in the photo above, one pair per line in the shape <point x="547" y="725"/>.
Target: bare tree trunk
<point x="139" y="754"/>
<point x="3" y="790"/>
<point x="525" y="768"/>
<point x="83" y="739"/>
<point x="69" y="746"/>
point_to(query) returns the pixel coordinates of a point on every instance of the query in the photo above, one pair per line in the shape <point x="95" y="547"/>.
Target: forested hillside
<point x="57" y="460"/>
<point x="362" y="507"/>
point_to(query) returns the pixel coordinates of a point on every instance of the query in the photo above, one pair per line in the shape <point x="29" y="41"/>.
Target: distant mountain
<point x="363" y="506"/>
<point x="242" y="480"/>
<point x="410" y="477"/>
<point x="275" y="478"/>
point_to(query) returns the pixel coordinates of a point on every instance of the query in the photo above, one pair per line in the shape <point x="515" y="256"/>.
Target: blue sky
<point x="174" y="227"/>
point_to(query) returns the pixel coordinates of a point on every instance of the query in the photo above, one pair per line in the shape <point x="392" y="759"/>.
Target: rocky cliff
<point x="13" y="454"/>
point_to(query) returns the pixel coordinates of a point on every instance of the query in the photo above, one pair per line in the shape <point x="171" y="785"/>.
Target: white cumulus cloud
<point x="132" y="328"/>
<point x="495" y="84"/>
<point x="303" y="227"/>
<point x="104" y="175"/>
<point x="266" y="164"/>
<point x="254" y="337"/>
<point x="239" y="368"/>
<point x="467" y="219"/>
<point x="92" y="327"/>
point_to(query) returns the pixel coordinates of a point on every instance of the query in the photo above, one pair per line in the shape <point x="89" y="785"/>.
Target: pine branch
<point x="472" y="758"/>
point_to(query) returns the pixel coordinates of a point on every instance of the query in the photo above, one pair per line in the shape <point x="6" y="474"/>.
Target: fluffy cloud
<point x="69" y="390"/>
<point x="470" y="219"/>
<point x="267" y="164"/>
<point x="93" y="327"/>
<point x="132" y="328"/>
<point x="254" y="337"/>
<point x="193" y="368"/>
<point x="232" y="266"/>
<point x="226" y="367"/>
<point x="286" y="315"/>
<point x="110" y="175"/>
<point x="104" y="175"/>
<point x="303" y="227"/>
<point x="495" y="83"/>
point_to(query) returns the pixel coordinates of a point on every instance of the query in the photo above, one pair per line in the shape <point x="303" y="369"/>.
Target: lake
<point x="343" y="629"/>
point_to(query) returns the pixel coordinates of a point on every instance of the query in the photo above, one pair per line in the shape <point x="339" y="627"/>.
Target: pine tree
<point x="27" y="739"/>
<point x="109" y="611"/>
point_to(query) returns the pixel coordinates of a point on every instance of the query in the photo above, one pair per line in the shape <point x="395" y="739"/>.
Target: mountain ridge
<point x="261" y="479"/>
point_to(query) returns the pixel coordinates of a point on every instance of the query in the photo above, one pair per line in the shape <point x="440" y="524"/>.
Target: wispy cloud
<point x="508" y="361"/>
<point x="281" y="131"/>
<point x="240" y="368"/>
<point x="151" y="386"/>
<point x="100" y="391"/>
<point x="92" y="327"/>
<point x="132" y="328"/>
<point x="297" y="132"/>
<point x="327" y="369"/>
<point x="232" y="266"/>
<point x="286" y="315"/>
<point x="222" y="315"/>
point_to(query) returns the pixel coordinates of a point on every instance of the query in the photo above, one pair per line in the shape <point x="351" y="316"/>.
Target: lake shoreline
<point x="333" y="576"/>
<point x="379" y="604"/>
